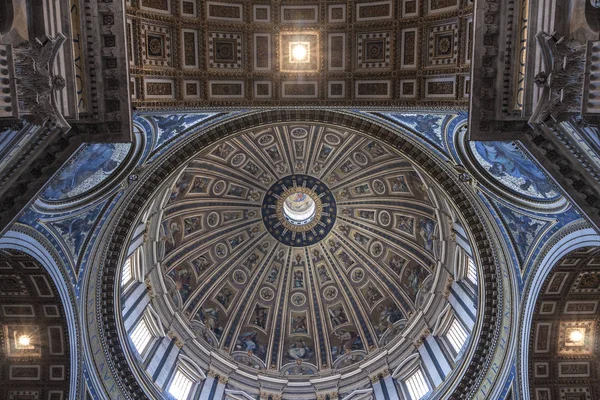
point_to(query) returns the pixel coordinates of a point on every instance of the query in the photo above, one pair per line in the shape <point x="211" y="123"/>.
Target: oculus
<point x="299" y="210"/>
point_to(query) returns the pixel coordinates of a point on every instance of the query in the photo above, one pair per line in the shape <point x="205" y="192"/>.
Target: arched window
<point x="141" y="336"/>
<point x="456" y="335"/>
<point x="181" y="385"/>
<point x="126" y="275"/>
<point x="471" y="271"/>
<point x="416" y="385"/>
<point x="132" y="270"/>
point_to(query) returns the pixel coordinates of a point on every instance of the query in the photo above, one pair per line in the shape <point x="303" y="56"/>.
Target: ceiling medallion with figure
<point x="299" y="210"/>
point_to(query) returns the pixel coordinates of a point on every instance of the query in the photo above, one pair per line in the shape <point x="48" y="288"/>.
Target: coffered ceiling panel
<point x="389" y="53"/>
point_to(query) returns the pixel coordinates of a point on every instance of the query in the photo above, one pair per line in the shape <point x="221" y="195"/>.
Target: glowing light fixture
<point x="299" y="52"/>
<point x="24" y="340"/>
<point x="576" y="336"/>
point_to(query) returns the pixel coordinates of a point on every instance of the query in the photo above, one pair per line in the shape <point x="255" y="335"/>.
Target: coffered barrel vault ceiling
<point x="563" y="346"/>
<point x="34" y="352"/>
<point x="356" y="53"/>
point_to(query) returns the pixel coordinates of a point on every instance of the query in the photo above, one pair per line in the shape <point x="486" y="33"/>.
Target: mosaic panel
<point x="374" y="50"/>
<point x="159" y="88"/>
<point x="336" y="55"/>
<point x="190" y="48"/>
<point x="337" y="13"/>
<point x="225" y="50"/>
<point x="299" y="89"/>
<point x="156" y="45"/>
<point x="409" y="48"/>
<point x="443" y="44"/>
<point x="262" y="13"/>
<point x="157" y="5"/>
<point x="371" y="11"/>
<point x="226" y="89"/>
<point x="224" y="11"/>
<point x="373" y="89"/>
<point x="436" y="6"/>
<point x="300" y="14"/>
<point x="262" y="52"/>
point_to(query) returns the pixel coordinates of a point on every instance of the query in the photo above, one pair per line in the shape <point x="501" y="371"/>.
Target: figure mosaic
<point x="337" y="315"/>
<point x="180" y="188"/>
<point x="94" y="158"/>
<point x="200" y="185"/>
<point x="211" y="321"/>
<point x="399" y="184"/>
<point x="405" y="224"/>
<point x="298" y="279"/>
<point x="272" y="277"/>
<point x="361" y="190"/>
<point x="372" y="295"/>
<point x="191" y="225"/>
<point x="248" y="341"/>
<point x="224" y="296"/>
<point x="514" y="168"/>
<point x="375" y="149"/>
<point x="260" y="315"/>
<point x="223" y="150"/>
<point x="169" y="231"/>
<point x="182" y="277"/>
<point x="250" y="262"/>
<point x="426" y="232"/>
<point x="323" y="274"/>
<point x="361" y="239"/>
<point x="370" y="215"/>
<point x="324" y="152"/>
<point x="298" y="324"/>
<point x="236" y="240"/>
<point x="201" y="264"/>
<point x="347" y="341"/>
<point x="388" y="315"/>
<point x="300" y="350"/>
<point x="347" y="167"/>
<point x="236" y="191"/>
<point x="414" y="275"/>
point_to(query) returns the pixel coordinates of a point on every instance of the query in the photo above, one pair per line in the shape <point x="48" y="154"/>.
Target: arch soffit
<point x="567" y="240"/>
<point x="36" y="247"/>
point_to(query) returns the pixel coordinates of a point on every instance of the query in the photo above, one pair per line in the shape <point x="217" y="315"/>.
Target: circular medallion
<point x="213" y="219"/>
<point x="267" y="294"/>
<point x="266" y="140"/>
<point x="330" y="293"/>
<point x="299" y="210"/>
<point x="298" y="132"/>
<point x="298" y="299"/>
<point x="239" y="276"/>
<point x="238" y="159"/>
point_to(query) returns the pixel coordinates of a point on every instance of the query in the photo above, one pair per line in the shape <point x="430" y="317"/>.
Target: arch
<point x="20" y="241"/>
<point x="574" y="238"/>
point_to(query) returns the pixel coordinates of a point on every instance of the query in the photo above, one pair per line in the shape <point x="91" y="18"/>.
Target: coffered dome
<point x="303" y="249"/>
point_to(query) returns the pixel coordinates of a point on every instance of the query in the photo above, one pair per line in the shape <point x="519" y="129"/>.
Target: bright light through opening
<point x="299" y="208"/>
<point x="576" y="336"/>
<point x="24" y="340"/>
<point x="299" y="52"/>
